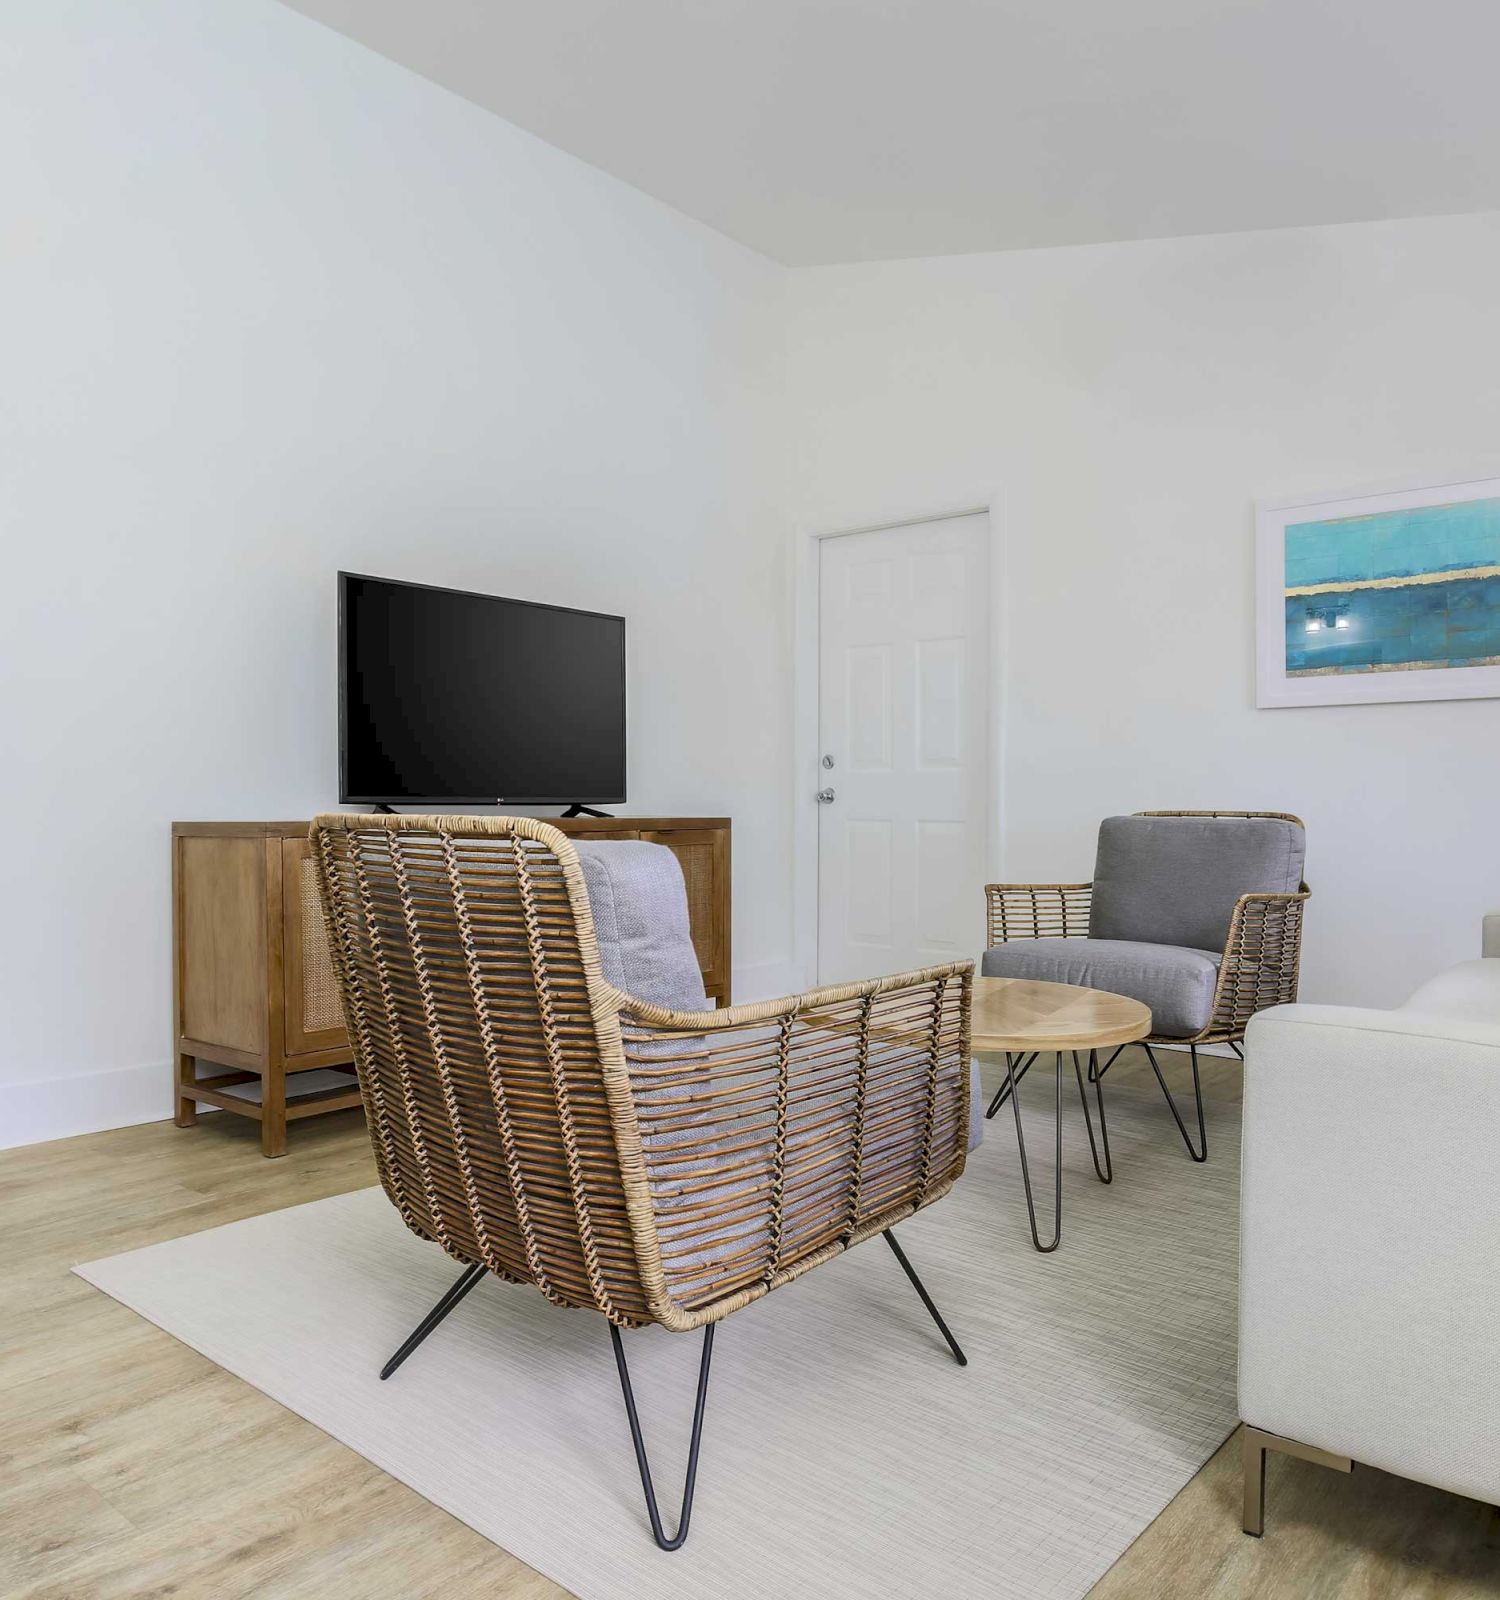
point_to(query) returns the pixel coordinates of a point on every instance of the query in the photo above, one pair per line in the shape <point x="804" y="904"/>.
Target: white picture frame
<point x="1306" y="685"/>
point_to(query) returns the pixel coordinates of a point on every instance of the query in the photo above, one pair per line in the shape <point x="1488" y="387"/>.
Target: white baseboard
<point x="91" y="1102"/>
<point x="86" y="1102"/>
<point x="120" y="1097"/>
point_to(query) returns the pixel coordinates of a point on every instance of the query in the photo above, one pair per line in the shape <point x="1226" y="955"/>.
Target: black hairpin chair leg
<point x="471" y="1276"/>
<point x="1201" y="1153"/>
<point x="932" y="1310"/>
<point x="657" y="1531"/>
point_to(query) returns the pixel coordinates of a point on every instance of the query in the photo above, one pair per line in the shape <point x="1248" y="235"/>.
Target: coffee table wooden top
<point x="1021" y="1014"/>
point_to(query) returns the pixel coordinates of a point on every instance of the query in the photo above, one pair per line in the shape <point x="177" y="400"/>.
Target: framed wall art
<point x="1372" y="596"/>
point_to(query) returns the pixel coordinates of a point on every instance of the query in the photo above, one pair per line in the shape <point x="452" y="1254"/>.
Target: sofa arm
<point x="1370" y="1228"/>
<point x="1491" y="945"/>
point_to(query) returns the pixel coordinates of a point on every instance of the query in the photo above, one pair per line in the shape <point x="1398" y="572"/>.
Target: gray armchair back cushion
<point x="1175" y="880"/>
<point x="640" y="908"/>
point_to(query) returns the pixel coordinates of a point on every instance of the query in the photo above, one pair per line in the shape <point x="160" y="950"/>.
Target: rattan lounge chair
<point x="650" y="1164"/>
<point x="1198" y="914"/>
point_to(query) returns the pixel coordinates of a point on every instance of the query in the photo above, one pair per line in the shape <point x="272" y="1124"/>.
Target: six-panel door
<point x="903" y="670"/>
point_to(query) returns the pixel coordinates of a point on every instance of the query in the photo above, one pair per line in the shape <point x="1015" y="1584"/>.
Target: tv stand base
<point x="584" y="811"/>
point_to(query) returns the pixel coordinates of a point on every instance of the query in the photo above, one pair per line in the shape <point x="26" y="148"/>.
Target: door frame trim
<point x="806" y="600"/>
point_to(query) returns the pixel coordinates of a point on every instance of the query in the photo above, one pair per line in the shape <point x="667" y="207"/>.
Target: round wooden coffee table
<point x="1022" y="1019"/>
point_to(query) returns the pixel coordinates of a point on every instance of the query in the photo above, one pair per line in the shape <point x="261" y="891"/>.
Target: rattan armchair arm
<point x="775" y="1134"/>
<point x="1037" y="911"/>
<point x="1262" y="960"/>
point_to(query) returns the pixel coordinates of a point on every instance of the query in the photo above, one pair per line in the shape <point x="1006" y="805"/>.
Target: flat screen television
<point x="467" y="699"/>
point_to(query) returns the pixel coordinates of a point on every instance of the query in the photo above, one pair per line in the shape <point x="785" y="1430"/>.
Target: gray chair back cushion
<point x="1175" y="880"/>
<point x="640" y="908"/>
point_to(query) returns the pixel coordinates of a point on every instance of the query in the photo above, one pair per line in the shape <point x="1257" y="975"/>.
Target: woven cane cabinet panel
<point x="254" y="997"/>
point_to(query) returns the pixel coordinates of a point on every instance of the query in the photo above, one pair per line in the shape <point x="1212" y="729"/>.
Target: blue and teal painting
<point x="1399" y="591"/>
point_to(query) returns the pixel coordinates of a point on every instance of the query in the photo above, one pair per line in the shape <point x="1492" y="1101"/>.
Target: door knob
<point x="825" y="797"/>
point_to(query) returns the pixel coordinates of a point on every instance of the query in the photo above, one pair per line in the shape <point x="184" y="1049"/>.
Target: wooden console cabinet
<point x="254" y="995"/>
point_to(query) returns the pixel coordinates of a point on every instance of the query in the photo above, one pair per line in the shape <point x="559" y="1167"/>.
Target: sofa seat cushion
<point x="1175" y="880"/>
<point x="1176" y="983"/>
<point x="640" y="908"/>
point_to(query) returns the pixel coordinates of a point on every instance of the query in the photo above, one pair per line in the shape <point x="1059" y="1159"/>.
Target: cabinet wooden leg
<point x="273" y="1112"/>
<point x="186" y="1112"/>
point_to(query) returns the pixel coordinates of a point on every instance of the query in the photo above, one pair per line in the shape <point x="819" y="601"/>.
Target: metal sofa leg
<point x="1256" y="1443"/>
<point x="657" y="1532"/>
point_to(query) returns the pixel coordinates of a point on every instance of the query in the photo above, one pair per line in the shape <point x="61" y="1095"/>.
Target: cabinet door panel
<point x="221" y="936"/>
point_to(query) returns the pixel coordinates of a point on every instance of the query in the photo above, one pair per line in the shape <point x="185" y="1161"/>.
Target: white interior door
<point x="903" y="665"/>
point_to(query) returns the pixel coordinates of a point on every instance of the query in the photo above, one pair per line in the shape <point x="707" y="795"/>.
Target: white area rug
<point x="844" y="1452"/>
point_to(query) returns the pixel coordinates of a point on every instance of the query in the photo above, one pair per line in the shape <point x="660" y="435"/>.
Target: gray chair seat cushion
<point x="1175" y="880"/>
<point x="1177" y="984"/>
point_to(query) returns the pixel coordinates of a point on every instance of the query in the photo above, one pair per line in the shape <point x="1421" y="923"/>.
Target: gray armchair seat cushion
<point x="1175" y="880"/>
<point x="1177" y="984"/>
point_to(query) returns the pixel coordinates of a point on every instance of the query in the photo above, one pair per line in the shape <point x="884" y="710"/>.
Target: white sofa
<point x="1370" y="1236"/>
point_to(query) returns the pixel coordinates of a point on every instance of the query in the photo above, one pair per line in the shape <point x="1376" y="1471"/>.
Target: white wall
<point x="275" y="306"/>
<point x="1129" y="402"/>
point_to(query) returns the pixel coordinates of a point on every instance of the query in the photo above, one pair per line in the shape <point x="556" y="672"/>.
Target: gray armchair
<point x="1197" y="914"/>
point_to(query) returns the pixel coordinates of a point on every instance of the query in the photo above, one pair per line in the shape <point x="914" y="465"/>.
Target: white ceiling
<point x="848" y="130"/>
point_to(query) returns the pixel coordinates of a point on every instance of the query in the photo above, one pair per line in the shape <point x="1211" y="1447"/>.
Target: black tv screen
<point x="458" y="698"/>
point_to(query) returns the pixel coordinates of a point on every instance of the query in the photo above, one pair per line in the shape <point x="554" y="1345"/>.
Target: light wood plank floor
<point x="134" y="1467"/>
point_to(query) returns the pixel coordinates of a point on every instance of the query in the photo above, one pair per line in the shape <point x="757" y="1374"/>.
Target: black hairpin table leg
<point x="1006" y="1087"/>
<point x="1015" y="1105"/>
<point x="1106" y="1172"/>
